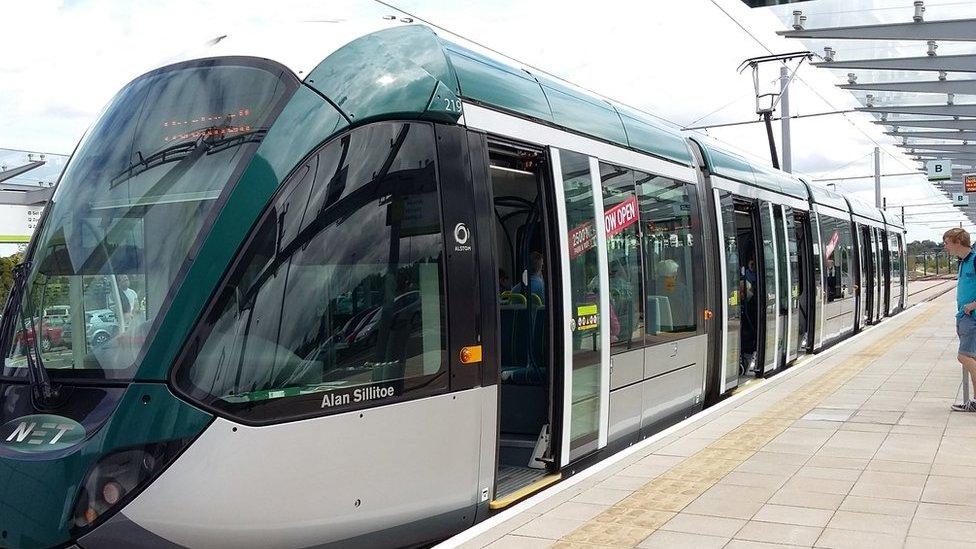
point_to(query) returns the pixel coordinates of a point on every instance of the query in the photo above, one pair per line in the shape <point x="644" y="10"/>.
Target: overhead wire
<point x="852" y="162"/>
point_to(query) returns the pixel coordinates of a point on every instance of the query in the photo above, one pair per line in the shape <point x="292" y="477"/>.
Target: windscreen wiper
<point x="180" y="151"/>
<point x="40" y="382"/>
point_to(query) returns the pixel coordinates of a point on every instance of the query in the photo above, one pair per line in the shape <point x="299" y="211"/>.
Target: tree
<point x="7" y="275"/>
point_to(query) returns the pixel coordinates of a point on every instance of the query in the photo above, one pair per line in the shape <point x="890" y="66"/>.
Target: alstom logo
<point x="41" y="433"/>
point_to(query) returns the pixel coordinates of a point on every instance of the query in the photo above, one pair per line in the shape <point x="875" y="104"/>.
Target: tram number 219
<point x="452" y="105"/>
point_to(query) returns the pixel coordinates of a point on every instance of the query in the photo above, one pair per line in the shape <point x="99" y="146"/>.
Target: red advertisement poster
<point x="832" y="244"/>
<point x="620" y="216"/>
<point x="581" y="238"/>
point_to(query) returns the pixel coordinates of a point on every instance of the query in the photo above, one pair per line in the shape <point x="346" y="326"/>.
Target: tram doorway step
<point x="517" y="483"/>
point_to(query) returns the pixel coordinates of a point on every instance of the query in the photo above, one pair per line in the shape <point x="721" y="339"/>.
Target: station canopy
<point x="911" y="64"/>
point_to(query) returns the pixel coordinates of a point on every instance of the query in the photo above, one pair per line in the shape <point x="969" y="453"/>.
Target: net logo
<point x="41" y="433"/>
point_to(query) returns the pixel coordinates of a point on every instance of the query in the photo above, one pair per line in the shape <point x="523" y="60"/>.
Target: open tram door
<point x="868" y="285"/>
<point x="742" y="281"/>
<point x="527" y="299"/>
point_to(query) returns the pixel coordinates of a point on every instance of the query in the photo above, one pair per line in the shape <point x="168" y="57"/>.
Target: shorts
<point x="966" y="330"/>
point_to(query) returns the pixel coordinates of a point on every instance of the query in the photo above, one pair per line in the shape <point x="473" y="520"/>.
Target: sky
<point x="676" y="60"/>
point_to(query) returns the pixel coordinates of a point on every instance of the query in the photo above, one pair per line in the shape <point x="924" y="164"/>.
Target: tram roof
<point x="826" y="197"/>
<point x="864" y="209"/>
<point x="733" y="166"/>
<point x="430" y="71"/>
<point x="892" y="219"/>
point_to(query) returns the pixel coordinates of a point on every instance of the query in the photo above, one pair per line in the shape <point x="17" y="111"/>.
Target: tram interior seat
<point x="524" y="376"/>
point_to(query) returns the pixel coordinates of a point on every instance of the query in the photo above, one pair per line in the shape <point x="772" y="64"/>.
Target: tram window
<point x="838" y="257"/>
<point x="347" y="310"/>
<point x="623" y="257"/>
<point x="668" y="215"/>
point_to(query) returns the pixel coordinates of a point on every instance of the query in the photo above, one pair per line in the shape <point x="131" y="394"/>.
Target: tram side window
<point x="621" y="218"/>
<point x="340" y="303"/>
<point x="667" y="213"/>
<point x="838" y="257"/>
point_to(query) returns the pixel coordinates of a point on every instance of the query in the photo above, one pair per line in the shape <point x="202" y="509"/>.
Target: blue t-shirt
<point x="966" y="287"/>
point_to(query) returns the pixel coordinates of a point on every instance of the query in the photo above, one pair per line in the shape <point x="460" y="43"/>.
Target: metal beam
<point x="959" y="87"/>
<point x="951" y="63"/>
<point x="959" y="29"/>
<point x="29" y="198"/>
<point x="956" y="135"/>
<point x="14" y="172"/>
<point x="941" y="123"/>
<point x="957" y="161"/>
<point x="937" y="110"/>
<point x="949" y="148"/>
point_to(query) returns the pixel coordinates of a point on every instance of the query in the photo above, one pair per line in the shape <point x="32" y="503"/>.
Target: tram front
<point x="86" y="417"/>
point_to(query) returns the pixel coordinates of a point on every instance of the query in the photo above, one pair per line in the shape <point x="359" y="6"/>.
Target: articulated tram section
<point x="397" y="290"/>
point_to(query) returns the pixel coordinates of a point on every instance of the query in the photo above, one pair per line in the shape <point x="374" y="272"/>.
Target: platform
<point x="853" y="447"/>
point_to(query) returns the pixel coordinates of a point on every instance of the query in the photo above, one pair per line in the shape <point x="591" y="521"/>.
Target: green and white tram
<point x="370" y="305"/>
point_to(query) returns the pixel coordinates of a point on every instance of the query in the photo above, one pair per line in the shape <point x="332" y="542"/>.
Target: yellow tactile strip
<point x="636" y="517"/>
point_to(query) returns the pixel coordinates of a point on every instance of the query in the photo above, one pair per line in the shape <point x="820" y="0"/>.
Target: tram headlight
<point x="116" y="478"/>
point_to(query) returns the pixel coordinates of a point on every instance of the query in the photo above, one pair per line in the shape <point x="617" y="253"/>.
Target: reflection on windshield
<point x="131" y="204"/>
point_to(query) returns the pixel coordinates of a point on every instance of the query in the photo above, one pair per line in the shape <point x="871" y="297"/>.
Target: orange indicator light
<point x="470" y="354"/>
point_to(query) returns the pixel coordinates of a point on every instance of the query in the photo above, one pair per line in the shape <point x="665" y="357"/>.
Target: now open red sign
<point x="582" y="238"/>
<point x="620" y="216"/>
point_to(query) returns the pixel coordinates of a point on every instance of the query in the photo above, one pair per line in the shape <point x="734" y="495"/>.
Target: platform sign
<point x="939" y="170"/>
<point x="960" y="199"/>
<point x="17" y="223"/>
<point x="970" y="182"/>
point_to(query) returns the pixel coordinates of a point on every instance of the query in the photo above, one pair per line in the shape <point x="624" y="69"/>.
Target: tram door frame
<point x="886" y="272"/>
<point x="859" y="277"/>
<point x="769" y="306"/>
<point x="791" y="336"/>
<point x="878" y="274"/>
<point x="868" y="285"/>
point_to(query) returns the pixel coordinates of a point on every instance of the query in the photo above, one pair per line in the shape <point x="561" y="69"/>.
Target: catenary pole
<point x="784" y="79"/>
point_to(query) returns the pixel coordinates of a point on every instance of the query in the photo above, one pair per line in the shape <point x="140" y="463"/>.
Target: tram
<point x="371" y="305"/>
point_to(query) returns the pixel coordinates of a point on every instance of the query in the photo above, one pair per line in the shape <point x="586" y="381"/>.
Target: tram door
<point x="859" y="277"/>
<point x="730" y="291"/>
<point x="526" y="298"/>
<point x="770" y="288"/>
<point x="868" y="285"/>
<point x="878" y="278"/>
<point x="886" y="272"/>
<point x="801" y="252"/>
<point x="585" y="304"/>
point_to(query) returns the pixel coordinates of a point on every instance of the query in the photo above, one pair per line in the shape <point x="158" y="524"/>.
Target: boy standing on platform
<point x="957" y="243"/>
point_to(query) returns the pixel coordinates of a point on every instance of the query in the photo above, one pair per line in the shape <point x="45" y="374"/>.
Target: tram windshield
<point x="133" y="200"/>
